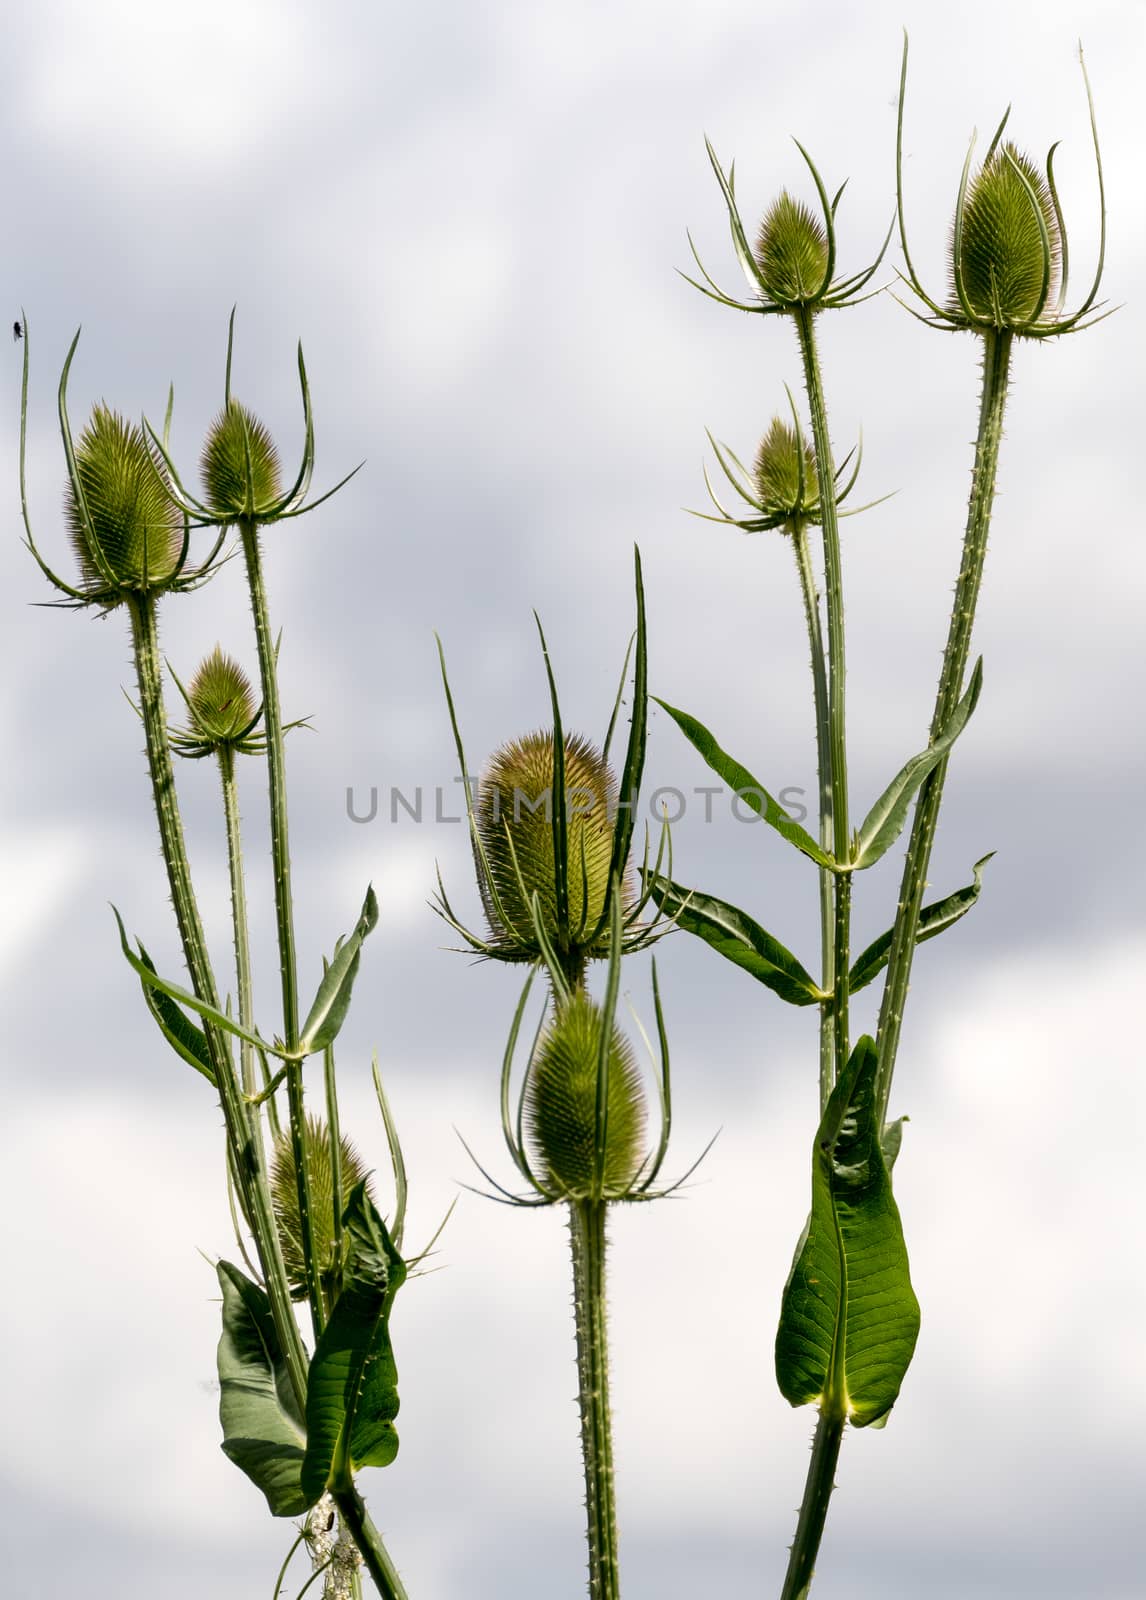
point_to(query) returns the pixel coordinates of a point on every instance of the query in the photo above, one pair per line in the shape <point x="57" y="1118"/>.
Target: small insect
<point x="17" y="331"/>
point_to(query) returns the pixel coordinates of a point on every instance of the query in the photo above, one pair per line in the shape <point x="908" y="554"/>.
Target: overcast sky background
<point x="471" y="214"/>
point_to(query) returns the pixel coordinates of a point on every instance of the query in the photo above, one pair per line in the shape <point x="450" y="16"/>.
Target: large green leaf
<point x="332" y="1001"/>
<point x="745" y="785"/>
<point x="262" y="1431"/>
<point x="734" y="935"/>
<point x="933" y="919"/>
<point x="352" y="1391"/>
<point x="884" y="822"/>
<point x="849" y="1318"/>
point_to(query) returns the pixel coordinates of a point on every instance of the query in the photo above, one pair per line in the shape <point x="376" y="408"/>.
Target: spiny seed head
<point x="135" y="524"/>
<point x="220" y="700"/>
<point x="235" y="485"/>
<point x="284" y="1197"/>
<point x="776" y="472"/>
<point x="1004" y="258"/>
<point x="791" y="251"/>
<point x="514" y="816"/>
<point x="561" y="1105"/>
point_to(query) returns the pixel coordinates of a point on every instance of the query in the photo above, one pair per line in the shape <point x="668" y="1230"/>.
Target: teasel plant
<point x="849" y="1317"/>
<point x="551" y="836"/>
<point x="298" y="1424"/>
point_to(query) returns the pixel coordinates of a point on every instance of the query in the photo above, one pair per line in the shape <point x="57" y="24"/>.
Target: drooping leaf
<point x="176" y="1027"/>
<point x="263" y="1433"/>
<point x="884" y="822"/>
<point x="734" y="935"/>
<point x="151" y="980"/>
<point x="332" y="1001"/>
<point x="745" y="785"/>
<point x="849" y="1317"/>
<point x="933" y="919"/>
<point x="352" y="1391"/>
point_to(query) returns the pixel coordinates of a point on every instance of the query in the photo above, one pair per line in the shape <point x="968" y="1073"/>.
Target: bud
<point x="514" y="820"/>
<point x="791" y="252"/>
<point x="220" y="700"/>
<point x="776" y="474"/>
<point x="1007" y="271"/>
<point x="561" y="1106"/>
<point x="240" y="465"/>
<point x="136" y="528"/>
<point x="284" y="1197"/>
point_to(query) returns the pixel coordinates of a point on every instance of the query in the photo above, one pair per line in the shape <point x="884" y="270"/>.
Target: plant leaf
<point x="332" y="1001"/>
<point x="933" y="919"/>
<point x="176" y="1026"/>
<point x="352" y="1391"/>
<point x="849" y="1318"/>
<point x="884" y="822"/>
<point x="734" y="935"/>
<point x="262" y="1430"/>
<point x="745" y="785"/>
<point x="151" y="980"/>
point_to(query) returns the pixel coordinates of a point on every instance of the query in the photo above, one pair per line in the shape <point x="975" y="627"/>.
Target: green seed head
<point x="237" y="485"/>
<point x="514" y="816"/>
<point x="791" y="251"/>
<point x="1004" y="257"/>
<point x="137" y="529"/>
<point x="561" y="1106"/>
<point x="284" y="1196"/>
<point x="777" y="473"/>
<point x="220" y="700"/>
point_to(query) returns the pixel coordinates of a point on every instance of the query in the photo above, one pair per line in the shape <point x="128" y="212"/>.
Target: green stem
<point x="246" y="1150"/>
<point x="814" y="1509"/>
<point x="804" y="318"/>
<point x="824" y="774"/>
<point x="358" y="1522"/>
<point x="334" y="1134"/>
<point x="996" y="372"/>
<point x="587" y="1235"/>
<point x="284" y="909"/>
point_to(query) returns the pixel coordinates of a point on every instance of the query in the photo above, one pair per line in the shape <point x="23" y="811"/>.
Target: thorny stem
<point x="996" y="371"/>
<point x="834" y="1048"/>
<point x="837" y="741"/>
<point x="284" y="910"/>
<point x="823" y="767"/>
<point x="814" y="1510"/>
<point x="587" y="1236"/>
<point x="245" y="1148"/>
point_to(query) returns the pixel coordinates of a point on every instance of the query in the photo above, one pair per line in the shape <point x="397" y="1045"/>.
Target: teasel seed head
<point x="136" y="527"/>
<point x="1011" y="241"/>
<point x="561" y="1106"/>
<point x="220" y="700"/>
<point x="240" y="465"/>
<point x="777" y="474"/>
<point x="791" y="252"/>
<point x="514" y="821"/>
<point x="284" y="1196"/>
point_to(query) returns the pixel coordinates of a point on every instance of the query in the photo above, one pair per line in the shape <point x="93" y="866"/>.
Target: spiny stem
<point x="804" y="318"/>
<point x="824" y="772"/>
<point x="996" y="371"/>
<point x="814" y="1509"/>
<point x="246" y="1150"/>
<point x="587" y="1236"/>
<point x="240" y="928"/>
<point x="360" y="1525"/>
<point x="284" y="910"/>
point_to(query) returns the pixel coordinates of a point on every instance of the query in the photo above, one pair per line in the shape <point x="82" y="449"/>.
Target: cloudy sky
<point x="472" y="215"/>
